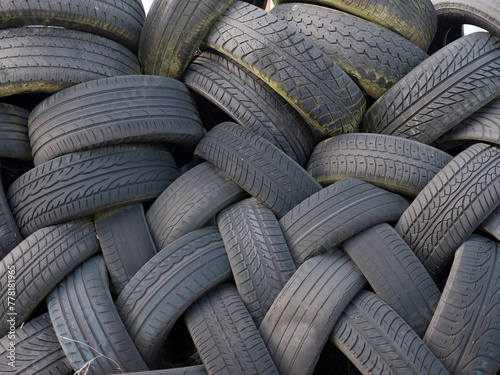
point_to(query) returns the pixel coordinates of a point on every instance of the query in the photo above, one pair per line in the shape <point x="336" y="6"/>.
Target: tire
<point x="258" y="166"/>
<point x="375" y="338"/>
<point x="481" y="126"/>
<point x="87" y="324"/>
<point x="85" y="182"/>
<point x="335" y="214"/>
<point x="39" y="263"/>
<point x="298" y="324"/>
<point x="47" y="60"/>
<point x="189" y="370"/>
<point x="373" y="56"/>
<point x="464" y="331"/>
<point x="190" y="202"/>
<point x="111" y="111"/>
<point x="119" y="21"/>
<point x="226" y="336"/>
<point x="14" y="141"/>
<point x="258" y="254"/>
<point x="415" y="20"/>
<point x="126" y="242"/>
<point x="174" y="31"/>
<point x="10" y="236"/>
<point x="162" y="290"/>
<point x="453" y="14"/>
<point x="243" y="96"/>
<point x="452" y="206"/>
<point x="395" y="273"/>
<point x="393" y="163"/>
<point x="328" y="100"/>
<point x="490" y="227"/>
<point x="37" y="350"/>
<point x="442" y="91"/>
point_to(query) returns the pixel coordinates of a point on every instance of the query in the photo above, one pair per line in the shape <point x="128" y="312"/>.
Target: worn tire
<point x="120" y="21"/>
<point x="373" y="56"/>
<point x="87" y="324"/>
<point x="46" y="59"/>
<point x="117" y="110"/>
<point x="329" y="101"/>
<point x="258" y="166"/>
<point x="442" y="91"/>
<point x="250" y="102"/>
<point x="14" y="141"/>
<point x="393" y="163"/>
<point x="464" y="331"/>
<point x="85" y="182"/>
<point x="452" y="205"/>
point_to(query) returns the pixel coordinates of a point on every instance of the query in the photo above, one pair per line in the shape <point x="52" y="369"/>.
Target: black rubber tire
<point x="335" y="214"/>
<point x="126" y="242"/>
<point x="393" y="163"/>
<point x="375" y="338"/>
<point x="116" y="110"/>
<point x="250" y="102"/>
<point x="259" y="167"/>
<point x="329" y="101"/>
<point x="164" y="288"/>
<point x="190" y="202"/>
<point x="395" y="273"/>
<point x="442" y="91"/>
<point x="189" y="370"/>
<point x="453" y="14"/>
<point x="39" y="263"/>
<point x="416" y="20"/>
<point x="14" y="141"/>
<point x="226" y="336"/>
<point x="174" y="31"/>
<point x="452" y="206"/>
<point x="85" y="182"/>
<point x="87" y="324"/>
<point x="120" y="21"/>
<point x="490" y="227"/>
<point x="10" y="236"/>
<point x="464" y="331"/>
<point x="37" y="350"/>
<point x="258" y="254"/>
<point x="47" y="59"/>
<point x="482" y="126"/>
<point x="373" y="56"/>
<point x="298" y="324"/>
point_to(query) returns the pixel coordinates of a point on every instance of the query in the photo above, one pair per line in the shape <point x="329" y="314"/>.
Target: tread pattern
<point x="258" y="166"/>
<point x="373" y="56"/>
<point x="82" y="183"/>
<point x="286" y="60"/>
<point x="416" y="20"/>
<point x="307" y="309"/>
<point x="441" y="92"/>
<point x="41" y="261"/>
<point x="14" y="141"/>
<point x="37" y="350"/>
<point x="464" y="331"/>
<point x="243" y="96"/>
<point x="125" y="109"/>
<point x="393" y="163"/>
<point x="9" y="232"/>
<point x="190" y="202"/>
<point x="47" y="59"/>
<point x="375" y="338"/>
<point x="395" y="274"/>
<point x="336" y="213"/>
<point x="226" y="336"/>
<point x="87" y="324"/>
<point x="161" y="290"/>
<point x="452" y="206"/>
<point x="258" y="254"/>
<point x="120" y="21"/>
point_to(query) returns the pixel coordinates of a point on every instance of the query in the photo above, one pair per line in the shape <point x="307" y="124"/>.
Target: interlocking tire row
<point x="250" y="203"/>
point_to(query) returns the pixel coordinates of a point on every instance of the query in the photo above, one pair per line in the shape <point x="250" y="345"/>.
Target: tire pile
<point x="216" y="188"/>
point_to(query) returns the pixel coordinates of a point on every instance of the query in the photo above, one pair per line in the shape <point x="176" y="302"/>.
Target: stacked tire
<point x="218" y="188"/>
